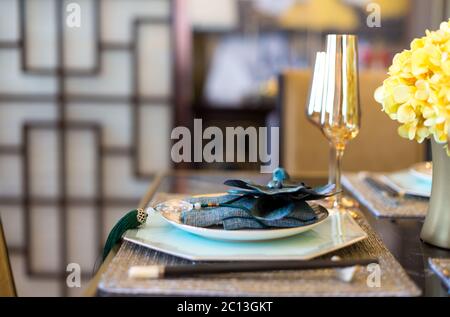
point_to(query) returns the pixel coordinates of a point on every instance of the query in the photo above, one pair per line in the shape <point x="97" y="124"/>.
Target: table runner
<point x="393" y="279"/>
<point x="375" y="202"/>
<point x="442" y="269"/>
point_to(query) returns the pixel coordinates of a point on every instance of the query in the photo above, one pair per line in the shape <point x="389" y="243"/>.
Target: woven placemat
<point x="442" y="269"/>
<point x="393" y="279"/>
<point x="376" y="203"/>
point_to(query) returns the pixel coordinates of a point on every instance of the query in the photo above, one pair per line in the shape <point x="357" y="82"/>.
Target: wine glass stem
<point x="339" y="152"/>
<point x="332" y="166"/>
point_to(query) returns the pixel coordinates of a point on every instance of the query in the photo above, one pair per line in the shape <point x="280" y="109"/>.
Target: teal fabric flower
<point x="280" y="196"/>
<point x="280" y="185"/>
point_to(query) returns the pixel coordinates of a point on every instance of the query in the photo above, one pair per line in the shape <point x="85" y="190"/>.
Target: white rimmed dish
<point x="245" y="235"/>
<point x="171" y="211"/>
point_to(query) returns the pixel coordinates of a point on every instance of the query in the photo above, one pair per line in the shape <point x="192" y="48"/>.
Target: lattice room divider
<point x="85" y="121"/>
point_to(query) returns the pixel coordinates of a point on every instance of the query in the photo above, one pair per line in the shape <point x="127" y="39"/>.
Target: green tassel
<point x="131" y="220"/>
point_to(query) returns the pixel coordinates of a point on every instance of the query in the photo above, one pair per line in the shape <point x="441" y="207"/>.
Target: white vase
<point x="436" y="229"/>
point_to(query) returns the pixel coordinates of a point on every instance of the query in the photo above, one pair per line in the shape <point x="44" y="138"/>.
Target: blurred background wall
<point x="86" y="112"/>
<point x="85" y="121"/>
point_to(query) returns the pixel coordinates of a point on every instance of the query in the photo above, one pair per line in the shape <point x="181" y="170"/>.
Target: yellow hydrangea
<point x="417" y="91"/>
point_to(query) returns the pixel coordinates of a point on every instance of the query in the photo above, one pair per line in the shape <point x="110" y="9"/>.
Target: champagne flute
<point x="315" y="104"/>
<point x="341" y="115"/>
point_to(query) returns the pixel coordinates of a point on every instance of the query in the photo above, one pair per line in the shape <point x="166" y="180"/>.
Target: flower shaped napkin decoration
<point x="279" y="197"/>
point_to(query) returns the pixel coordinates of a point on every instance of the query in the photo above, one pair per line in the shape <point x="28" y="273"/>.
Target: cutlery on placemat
<point x="388" y="191"/>
<point x="345" y="273"/>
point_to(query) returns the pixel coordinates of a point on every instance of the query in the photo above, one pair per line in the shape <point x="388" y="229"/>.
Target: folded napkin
<point x="238" y="217"/>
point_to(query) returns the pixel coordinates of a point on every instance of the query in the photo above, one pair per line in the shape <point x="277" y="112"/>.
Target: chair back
<point x="7" y="287"/>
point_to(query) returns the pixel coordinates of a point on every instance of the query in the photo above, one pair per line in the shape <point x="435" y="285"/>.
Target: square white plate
<point x="336" y="232"/>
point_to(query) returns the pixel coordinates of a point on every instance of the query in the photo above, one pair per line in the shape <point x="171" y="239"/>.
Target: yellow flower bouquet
<point x="417" y="91"/>
<point x="417" y="95"/>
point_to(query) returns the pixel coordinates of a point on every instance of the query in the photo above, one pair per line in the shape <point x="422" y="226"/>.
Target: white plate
<point x="171" y="209"/>
<point x="423" y="170"/>
<point x="335" y="232"/>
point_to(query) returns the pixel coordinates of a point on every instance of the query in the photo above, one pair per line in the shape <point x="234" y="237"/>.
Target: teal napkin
<point x="295" y="214"/>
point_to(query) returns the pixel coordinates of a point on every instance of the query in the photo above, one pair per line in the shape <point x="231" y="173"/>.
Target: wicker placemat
<point x="378" y="204"/>
<point x="442" y="269"/>
<point x="393" y="279"/>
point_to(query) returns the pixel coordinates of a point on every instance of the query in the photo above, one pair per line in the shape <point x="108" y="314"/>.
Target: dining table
<point x="400" y="236"/>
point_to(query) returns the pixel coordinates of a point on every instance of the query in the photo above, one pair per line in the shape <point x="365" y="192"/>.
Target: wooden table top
<point x="400" y="236"/>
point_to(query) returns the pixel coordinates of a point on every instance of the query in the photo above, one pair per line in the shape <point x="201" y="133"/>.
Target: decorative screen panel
<point x="85" y="121"/>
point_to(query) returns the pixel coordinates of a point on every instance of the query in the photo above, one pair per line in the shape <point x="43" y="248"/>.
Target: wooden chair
<point x="7" y="287"/>
<point x="304" y="150"/>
